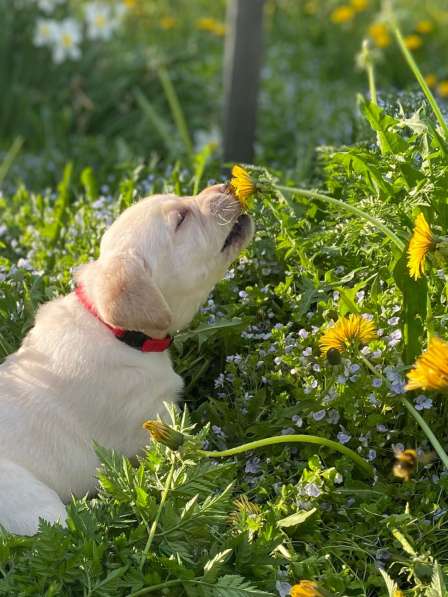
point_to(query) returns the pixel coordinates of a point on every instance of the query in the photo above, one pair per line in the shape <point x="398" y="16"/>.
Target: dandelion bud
<point x="162" y="433"/>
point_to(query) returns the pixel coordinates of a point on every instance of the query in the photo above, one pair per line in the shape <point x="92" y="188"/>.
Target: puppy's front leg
<point x="24" y="499"/>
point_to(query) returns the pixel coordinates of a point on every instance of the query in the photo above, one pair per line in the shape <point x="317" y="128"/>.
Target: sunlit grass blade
<point x="156" y="120"/>
<point x="421" y="80"/>
<point x="9" y="158"/>
<point x="176" y="111"/>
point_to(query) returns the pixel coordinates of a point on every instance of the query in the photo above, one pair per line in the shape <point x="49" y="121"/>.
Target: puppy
<point x="95" y="364"/>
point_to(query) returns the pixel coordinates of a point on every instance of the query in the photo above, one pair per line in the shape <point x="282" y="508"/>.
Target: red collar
<point x="134" y="339"/>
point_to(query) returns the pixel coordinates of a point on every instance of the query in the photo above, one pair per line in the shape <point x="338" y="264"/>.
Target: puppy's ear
<point x="125" y="295"/>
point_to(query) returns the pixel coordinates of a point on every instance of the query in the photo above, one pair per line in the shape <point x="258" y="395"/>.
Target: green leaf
<point x="295" y="519"/>
<point x="213" y="566"/>
<point x="438" y="586"/>
<point x="414" y="311"/>
<point x="233" y="585"/>
<point x="388" y="140"/>
<point x="390" y="583"/>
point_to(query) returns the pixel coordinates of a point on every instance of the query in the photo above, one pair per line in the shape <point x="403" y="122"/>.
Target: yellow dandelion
<point x="431" y="80"/>
<point x="167" y="23"/>
<point x="359" y="5"/>
<point x="347" y="331"/>
<point x="305" y="588"/>
<point x="162" y="433"/>
<point x="380" y="35"/>
<point x="212" y="26"/>
<point x="442" y="88"/>
<point x="413" y="41"/>
<point x="242" y="184"/>
<point x="430" y="371"/>
<point x="342" y="14"/>
<point x="421" y="243"/>
<point x="424" y="26"/>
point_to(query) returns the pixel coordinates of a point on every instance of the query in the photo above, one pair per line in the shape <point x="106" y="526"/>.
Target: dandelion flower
<point x="430" y="371"/>
<point x="424" y="26"/>
<point x="380" y="35"/>
<point x="431" y="80"/>
<point x="168" y="23"/>
<point x="442" y="88"/>
<point x="421" y="243"/>
<point x="347" y="331"/>
<point x="306" y="588"/>
<point x="212" y="26"/>
<point x="413" y="42"/>
<point x="359" y="5"/>
<point x="242" y="184"/>
<point x="342" y="14"/>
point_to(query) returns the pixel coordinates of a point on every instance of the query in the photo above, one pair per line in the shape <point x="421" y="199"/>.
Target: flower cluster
<point x="64" y="37"/>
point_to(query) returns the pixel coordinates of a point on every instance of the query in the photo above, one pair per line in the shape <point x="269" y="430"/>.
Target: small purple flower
<point x="371" y="455"/>
<point x="343" y="438"/>
<point x="333" y="416"/>
<point x="297" y="420"/>
<point x="288" y="431"/>
<point x="377" y="382"/>
<point x="252" y="465"/>
<point x="394" y="338"/>
<point x="393" y="321"/>
<point x="422" y="402"/>
<point x="218" y="431"/>
<point x="312" y="490"/>
<point x="319" y="415"/>
<point x="303" y="334"/>
<point x="283" y="588"/>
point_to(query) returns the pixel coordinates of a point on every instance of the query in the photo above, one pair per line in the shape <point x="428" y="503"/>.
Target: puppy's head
<point x="161" y="258"/>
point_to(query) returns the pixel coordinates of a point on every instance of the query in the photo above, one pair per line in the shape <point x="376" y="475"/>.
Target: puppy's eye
<point x="181" y="215"/>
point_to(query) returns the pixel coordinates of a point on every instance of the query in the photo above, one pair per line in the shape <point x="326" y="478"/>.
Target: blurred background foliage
<point x="90" y="78"/>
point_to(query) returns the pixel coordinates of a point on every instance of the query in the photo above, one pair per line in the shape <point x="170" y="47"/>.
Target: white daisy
<point x="101" y="22"/>
<point x="44" y="34"/>
<point x="66" y="41"/>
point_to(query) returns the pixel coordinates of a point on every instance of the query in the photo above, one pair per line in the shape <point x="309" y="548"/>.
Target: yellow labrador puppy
<point x="95" y="364"/>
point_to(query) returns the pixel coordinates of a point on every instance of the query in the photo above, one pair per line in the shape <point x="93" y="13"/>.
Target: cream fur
<point x="72" y="382"/>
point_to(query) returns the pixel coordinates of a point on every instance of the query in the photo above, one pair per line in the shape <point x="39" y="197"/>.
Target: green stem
<point x="347" y="207"/>
<point x="155" y="522"/>
<point x="421" y="80"/>
<point x="372" y="84"/>
<point x="428" y="432"/>
<point x="176" y="110"/>
<point x="283" y="439"/>
<point x="9" y="158"/>
<point x="154" y="588"/>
